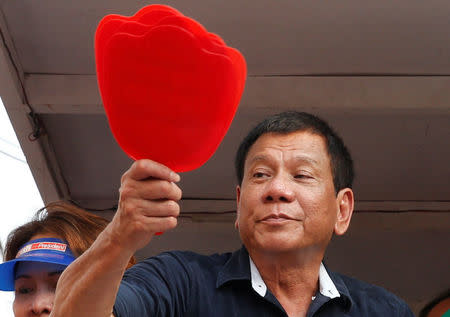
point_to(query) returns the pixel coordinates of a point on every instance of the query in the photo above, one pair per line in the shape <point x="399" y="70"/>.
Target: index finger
<point x="143" y="169"/>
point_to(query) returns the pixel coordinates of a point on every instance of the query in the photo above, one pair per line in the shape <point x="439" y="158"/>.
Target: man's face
<point x="287" y="200"/>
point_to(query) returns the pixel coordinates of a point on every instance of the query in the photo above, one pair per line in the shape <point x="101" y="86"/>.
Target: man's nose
<point x="279" y="190"/>
<point x="43" y="303"/>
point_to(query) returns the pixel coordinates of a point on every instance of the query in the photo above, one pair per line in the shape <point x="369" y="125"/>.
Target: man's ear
<point x="345" y="202"/>
<point x="238" y="198"/>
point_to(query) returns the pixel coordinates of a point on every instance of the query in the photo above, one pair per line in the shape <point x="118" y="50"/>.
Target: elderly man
<point x="294" y="191"/>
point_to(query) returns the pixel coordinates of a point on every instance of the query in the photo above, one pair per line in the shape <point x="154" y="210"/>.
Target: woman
<point x="37" y="252"/>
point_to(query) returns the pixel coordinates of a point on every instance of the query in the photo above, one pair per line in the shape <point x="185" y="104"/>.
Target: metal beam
<point x="68" y="94"/>
<point x="46" y="175"/>
<point x="74" y="94"/>
<point x="221" y="206"/>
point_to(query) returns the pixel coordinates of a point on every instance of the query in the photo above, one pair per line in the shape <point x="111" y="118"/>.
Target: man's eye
<point x="258" y="175"/>
<point x="302" y="176"/>
<point x="24" y="290"/>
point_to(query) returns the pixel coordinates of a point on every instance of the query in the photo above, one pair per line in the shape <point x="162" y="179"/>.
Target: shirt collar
<point x="326" y="285"/>
<point x="239" y="267"/>
<point x="341" y="287"/>
<point x="257" y="282"/>
<point x="236" y="268"/>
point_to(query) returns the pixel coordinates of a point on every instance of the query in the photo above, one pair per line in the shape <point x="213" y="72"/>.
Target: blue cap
<point x="47" y="250"/>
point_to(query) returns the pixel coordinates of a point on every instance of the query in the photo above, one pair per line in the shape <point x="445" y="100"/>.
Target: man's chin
<point x="278" y="243"/>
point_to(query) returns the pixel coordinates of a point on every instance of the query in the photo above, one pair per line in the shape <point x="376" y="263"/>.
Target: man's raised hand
<point x="147" y="204"/>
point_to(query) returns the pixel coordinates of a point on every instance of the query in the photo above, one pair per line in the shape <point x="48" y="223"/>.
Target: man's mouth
<point x="277" y="218"/>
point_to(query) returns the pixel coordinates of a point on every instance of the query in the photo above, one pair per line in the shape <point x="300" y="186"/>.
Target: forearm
<point x="147" y="204"/>
<point x="88" y="287"/>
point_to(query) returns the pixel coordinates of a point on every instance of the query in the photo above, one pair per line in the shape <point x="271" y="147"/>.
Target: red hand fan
<point x="169" y="87"/>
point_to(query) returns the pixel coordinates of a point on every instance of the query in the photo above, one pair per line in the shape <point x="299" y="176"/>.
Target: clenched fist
<point x="147" y="204"/>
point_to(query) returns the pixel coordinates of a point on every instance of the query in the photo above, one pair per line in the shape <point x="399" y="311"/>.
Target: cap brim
<point x="7" y="268"/>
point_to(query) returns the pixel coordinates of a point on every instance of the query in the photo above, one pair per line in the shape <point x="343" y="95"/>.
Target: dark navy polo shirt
<point x="188" y="284"/>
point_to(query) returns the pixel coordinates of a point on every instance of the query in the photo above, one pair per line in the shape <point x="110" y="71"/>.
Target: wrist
<point x="111" y="246"/>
